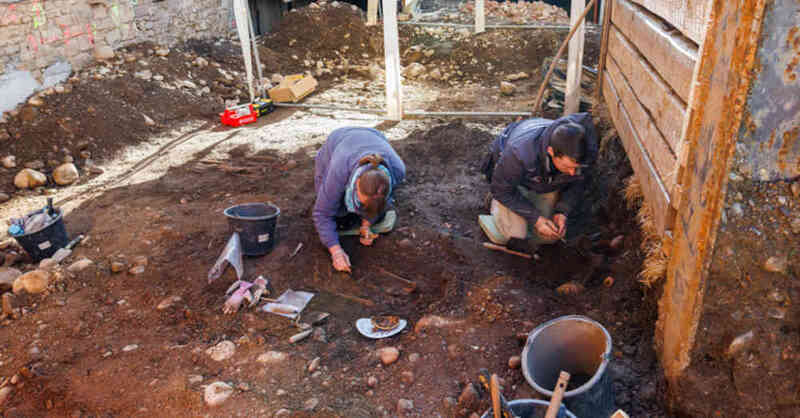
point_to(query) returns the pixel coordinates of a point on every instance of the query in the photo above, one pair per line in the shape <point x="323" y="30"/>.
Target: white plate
<point x="364" y="326"/>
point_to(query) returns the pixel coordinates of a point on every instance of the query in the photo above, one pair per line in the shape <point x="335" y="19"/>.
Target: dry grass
<point x="633" y="192"/>
<point x="654" y="266"/>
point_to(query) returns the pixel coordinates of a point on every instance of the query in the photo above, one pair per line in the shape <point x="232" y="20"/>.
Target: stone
<point x="65" y="174"/>
<point x="435" y="74"/>
<point x="435" y="321"/>
<point x="148" y="121"/>
<point x="187" y="84"/>
<point x="283" y="412"/>
<point x="222" y="351"/>
<point x="162" y="52"/>
<point x="517" y="76"/>
<point x="4" y="197"/>
<point x="405" y="243"/>
<point x="80" y="265"/>
<point x="35" y="281"/>
<point x="29" y="179"/>
<point x="195" y="379"/>
<point x="740" y="343"/>
<point x="130" y="347"/>
<point x="35" y="164"/>
<point x="310" y="404"/>
<point x="201" y="62"/>
<point x="469" y="397"/>
<point x="217" y="393"/>
<point x="90" y="166"/>
<point x="140" y="261"/>
<point x="314" y="365"/>
<point x="372" y="381"/>
<point x="388" y="355"/>
<point x="5" y="393"/>
<point x="118" y="266"/>
<point x="168" y="302"/>
<point x="103" y="52"/>
<point x="36" y="101"/>
<point x="136" y="270"/>
<point x="404" y="406"/>
<point x="413" y="70"/>
<point x="7" y="276"/>
<point x="145" y="75"/>
<point x="507" y="88"/>
<point x="776" y="265"/>
<point x="413" y="357"/>
<point x="514" y="362"/>
<point x="407" y="377"/>
<point x="272" y="357"/>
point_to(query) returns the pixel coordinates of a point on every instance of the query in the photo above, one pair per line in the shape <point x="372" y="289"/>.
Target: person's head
<point x="372" y="186"/>
<point x="567" y="144"/>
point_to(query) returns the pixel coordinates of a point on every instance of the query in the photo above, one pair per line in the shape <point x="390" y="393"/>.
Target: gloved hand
<point x="341" y="262"/>
<point x="546" y="228"/>
<point x="367" y="237"/>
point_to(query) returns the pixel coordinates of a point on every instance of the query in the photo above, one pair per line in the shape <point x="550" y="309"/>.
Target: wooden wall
<point x="648" y="60"/>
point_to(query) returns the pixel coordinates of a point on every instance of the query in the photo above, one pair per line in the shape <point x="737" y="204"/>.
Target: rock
<point x="187" y="84"/>
<point x="372" y="381"/>
<point x="740" y="343"/>
<point x="47" y="264"/>
<point x="435" y="321"/>
<point x="5" y="393"/>
<point x="276" y="78"/>
<point x="617" y="242"/>
<point x="222" y="351"/>
<point x="407" y="377"/>
<point x="79" y="265"/>
<point x="4" y="135"/>
<point x="217" y="393"/>
<point x="514" y="362"/>
<point x="435" y="74"/>
<point x="162" y="52"/>
<point x="4" y="197"/>
<point x="405" y="243"/>
<point x="314" y="365"/>
<point x="300" y="336"/>
<point x="168" y="302"/>
<point x="404" y="406"/>
<point x="388" y="355"/>
<point x="283" y="412"/>
<point x="140" y="261"/>
<point x="136" y="270"/>
<point x="35" y="281"/>
<point x="569" y="289"/>
<point x="403" y="17"/>
<point x="35" y="165"/>
<point x="103" y="52"/>
<point x="145" y="75"/>
<point x="507" y="88"/>
<point x="28" y="114"/>
<point x="469" y="397"/>
<point x="200" y="62"/>
<point x="517" y="76"/>
<point x="29" y="179"/>
<point x="118" y="266"/>
<point x="90" y="166"/>
<point x="130" y="347"/>
<point x="413" y="70"/>
<point x="36" y="101"/>
<point x="9" y="161"/>
<point x="65" y="174"/>
<point x="413" y="358"/>
<point x="148" y="121"/>
<point x="776" y="265"/>
<point x="7" y="276"/>
<point x="195" y="379"/>
<point x="272" y="357"/>
<point x="310" y="404"/>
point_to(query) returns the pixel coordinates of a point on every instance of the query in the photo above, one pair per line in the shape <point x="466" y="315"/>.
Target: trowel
<point x="232" y="253"/>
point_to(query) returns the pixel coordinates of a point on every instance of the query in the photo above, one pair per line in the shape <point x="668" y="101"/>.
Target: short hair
<point x="374" y="184"/>
<point x="569" y="140"/>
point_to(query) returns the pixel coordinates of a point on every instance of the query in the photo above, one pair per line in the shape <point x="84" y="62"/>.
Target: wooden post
<point x="716" y="108"/>
<point x="391" y="48"/>
<point x="605" y="16"/>
<point x="480" y="17"/>
<point x="572" y="100"/>
<point x="372" y="12"/>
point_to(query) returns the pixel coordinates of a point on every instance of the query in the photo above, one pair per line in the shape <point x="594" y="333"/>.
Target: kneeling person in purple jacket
<point x="538" y="170"/>
<point x="355" y="173"/>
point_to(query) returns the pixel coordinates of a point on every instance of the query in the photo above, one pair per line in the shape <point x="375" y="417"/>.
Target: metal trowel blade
<point x="232" y="253"/>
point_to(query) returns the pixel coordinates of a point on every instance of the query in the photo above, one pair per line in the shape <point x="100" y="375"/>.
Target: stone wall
<point x="36" y="34"/>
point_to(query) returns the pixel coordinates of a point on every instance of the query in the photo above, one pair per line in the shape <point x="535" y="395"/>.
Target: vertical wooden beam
<point x="480" y="17"/>
<point x="391" y="48"/>
<point x="372" y="12"/>
<point x="572" y="100"/>
<point x="716" y="106"/>
<point x="605" y="13"/>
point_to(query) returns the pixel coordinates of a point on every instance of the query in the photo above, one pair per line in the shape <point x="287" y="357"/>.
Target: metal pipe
<point x="410" y="112"/>
<point x="316" y="106"/>
<point x="556" y="26"/>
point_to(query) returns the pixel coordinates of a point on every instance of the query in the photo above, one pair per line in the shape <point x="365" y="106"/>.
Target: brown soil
<point x="68" y="344"/>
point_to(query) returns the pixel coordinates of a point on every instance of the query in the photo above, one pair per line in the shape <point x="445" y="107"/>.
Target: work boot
<point x="490" y="229"/>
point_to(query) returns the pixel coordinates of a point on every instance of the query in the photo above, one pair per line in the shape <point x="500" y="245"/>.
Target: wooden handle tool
<point x="558" y="394"/>
<point x="493" y="246"/>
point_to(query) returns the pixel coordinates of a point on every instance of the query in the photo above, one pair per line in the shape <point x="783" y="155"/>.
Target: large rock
<point x="35" y="281"/>
<point x="103" y="52"/>
<point x="7" y="277"/>
<point x="9" y="161"/>
<point x="507" y="88"/>
<point x="16" y="86"/>
<point x="222" y="351"/>
<point x="414" y="70"/>
<point x="217" y="393"/>
<point x="29" y="179"/>
<point x="388" y="355"/>
<point x="272" y="357"/>
<point x="66" y="174"/>
<point x="56" y="74"/>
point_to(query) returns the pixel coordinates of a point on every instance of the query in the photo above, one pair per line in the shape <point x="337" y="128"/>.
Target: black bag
<point x="487" y="164"/>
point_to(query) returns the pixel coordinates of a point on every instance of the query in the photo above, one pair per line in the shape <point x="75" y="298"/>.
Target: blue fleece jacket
<point x="335" y="165"/>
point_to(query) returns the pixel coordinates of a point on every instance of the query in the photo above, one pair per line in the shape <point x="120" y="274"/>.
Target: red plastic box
<point x="239" y="115"/>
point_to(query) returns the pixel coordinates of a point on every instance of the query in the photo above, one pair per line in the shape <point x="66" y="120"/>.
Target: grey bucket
<point x="256" y="224"/>
<point x="579" y="346"/>
<point x="532" y="408"/>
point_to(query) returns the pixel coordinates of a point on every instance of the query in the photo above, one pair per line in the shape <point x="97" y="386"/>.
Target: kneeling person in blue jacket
<point x="355" y="173"/>
<point x="538" y="170"/>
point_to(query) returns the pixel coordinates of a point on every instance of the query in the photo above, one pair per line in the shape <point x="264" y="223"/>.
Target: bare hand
<point x="561" y="222"/>
<point x="341" y="261"/>
<point x="546" y="228"/>
<point x="367" y="237"/>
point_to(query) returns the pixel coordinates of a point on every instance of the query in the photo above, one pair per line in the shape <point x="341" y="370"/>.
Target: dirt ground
<point x="120" y="344"/>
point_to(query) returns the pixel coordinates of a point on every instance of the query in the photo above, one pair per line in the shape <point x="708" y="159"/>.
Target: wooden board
<point x="575" y="61"/>
<point x="688" y="16"/>
<point x="715" y="114"/>
<point x="666" y="109"/>
<point x="606" y="13"/>
<point x="655" y="145"/>
<point x="654" y="195"/>
<point x="391" y="49"/>
<point x="672" y="55"/>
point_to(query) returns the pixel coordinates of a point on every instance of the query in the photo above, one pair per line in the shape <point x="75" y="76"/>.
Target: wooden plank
<point x="606" y="14"/>
<point x="372" y="12"/>
<point x="715" y="112"/>
<point x="654" y="143"/>
<point x="667" y="110"/>
<point x="391" y="48"/>
<point x="688" y="16"/>
<point x="656" y="197"/>
<point x="673" y="56"/>
<point x="480" y="17"/>
<point x="572" y="97"/>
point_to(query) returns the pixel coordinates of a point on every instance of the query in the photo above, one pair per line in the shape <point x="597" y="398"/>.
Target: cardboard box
<point x="293" y="88"/>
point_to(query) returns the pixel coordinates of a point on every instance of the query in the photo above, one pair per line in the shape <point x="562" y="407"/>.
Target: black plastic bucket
<point x="46" y="241"/>
<point x="531" y="408"/>
<point x="256" y="225"/>
<point x="581" y="347"/>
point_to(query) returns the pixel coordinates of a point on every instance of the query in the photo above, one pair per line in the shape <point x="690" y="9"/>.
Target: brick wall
<point x="35" y="34"/>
